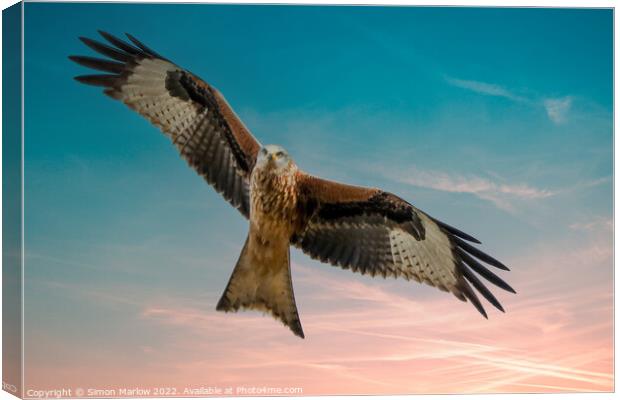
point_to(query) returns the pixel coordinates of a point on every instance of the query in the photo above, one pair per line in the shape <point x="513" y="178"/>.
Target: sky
<point x="496" y="121"/>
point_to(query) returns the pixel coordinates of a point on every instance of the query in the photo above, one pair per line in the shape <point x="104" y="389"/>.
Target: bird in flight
<point x="366" y="230"/>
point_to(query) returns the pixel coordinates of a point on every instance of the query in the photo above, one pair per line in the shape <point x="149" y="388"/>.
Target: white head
<point x="273" y="157"/>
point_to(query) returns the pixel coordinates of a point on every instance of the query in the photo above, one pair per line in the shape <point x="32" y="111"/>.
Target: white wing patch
<point x="146" y="92"/>
<point x="430" y="260"/>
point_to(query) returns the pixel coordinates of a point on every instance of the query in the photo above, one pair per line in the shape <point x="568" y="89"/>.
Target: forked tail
<point x="266" y="288"/>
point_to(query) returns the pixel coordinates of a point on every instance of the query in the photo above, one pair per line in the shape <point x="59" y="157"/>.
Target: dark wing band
<point x="377" y="233"/>
<point x="193" y="114"/>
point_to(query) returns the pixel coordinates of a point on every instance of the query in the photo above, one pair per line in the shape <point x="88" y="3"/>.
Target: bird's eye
<point x="263" y="150"/>
<point x="279" y="154"/>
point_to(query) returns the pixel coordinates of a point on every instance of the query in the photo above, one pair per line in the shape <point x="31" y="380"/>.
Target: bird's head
<point x="274" y="158"/>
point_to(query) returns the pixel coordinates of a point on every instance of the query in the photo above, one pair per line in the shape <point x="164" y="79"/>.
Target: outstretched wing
<point x="201" y="124"/>
<point x="374" y="232"/>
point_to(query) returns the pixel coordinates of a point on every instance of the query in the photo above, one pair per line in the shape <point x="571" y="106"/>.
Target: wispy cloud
<point x="501" y="195"/>
<point x="558" y="108"/>
<point x="485" y="88"/>
<point x="594" y="224"/>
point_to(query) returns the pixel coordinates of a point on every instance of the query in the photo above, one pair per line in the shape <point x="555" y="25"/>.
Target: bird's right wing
<point x="201" y="124"/>
<point x="374" y="232"/>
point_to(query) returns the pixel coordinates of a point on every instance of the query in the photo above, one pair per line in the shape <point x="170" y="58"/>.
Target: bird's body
<point x="363" y="229"/>
<point x="261" y="279"/>
<point x="273" y="195"/>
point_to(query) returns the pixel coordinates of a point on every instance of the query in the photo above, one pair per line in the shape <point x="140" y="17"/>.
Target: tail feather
<point x="266" y="288"/>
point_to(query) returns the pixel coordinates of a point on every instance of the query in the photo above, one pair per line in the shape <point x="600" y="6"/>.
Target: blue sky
<point x="497" y="121"/>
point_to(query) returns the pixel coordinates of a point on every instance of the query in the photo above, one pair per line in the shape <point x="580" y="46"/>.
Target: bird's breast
<point x="273" y="201"/>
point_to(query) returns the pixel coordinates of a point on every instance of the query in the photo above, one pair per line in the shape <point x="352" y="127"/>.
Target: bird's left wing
<point x="192" y="113"/>
<point x="374" y="232"/>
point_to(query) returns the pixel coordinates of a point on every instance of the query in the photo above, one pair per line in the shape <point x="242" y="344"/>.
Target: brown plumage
<point x="363" y="229"/>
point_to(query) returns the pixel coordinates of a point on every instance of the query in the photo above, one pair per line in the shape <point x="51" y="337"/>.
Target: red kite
<point x="367" y="230"/>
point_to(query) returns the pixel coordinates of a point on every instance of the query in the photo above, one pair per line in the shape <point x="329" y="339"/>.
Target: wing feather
<point x="143" y="47"/>
<point x="479" y="254"/>
<point x="106" y="50"/>
<point x="194" y="115"/>
<point x="483" y="271"/>
<point x="99" y="64"/>
<point x="473" y="279"/>
<point x="127" y="48"/>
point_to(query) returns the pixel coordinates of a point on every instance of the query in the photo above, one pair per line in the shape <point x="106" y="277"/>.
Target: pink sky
<point x="369" y="336"/>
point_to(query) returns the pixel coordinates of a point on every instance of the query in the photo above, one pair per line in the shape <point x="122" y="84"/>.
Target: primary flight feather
<point x="363" y="229"/>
